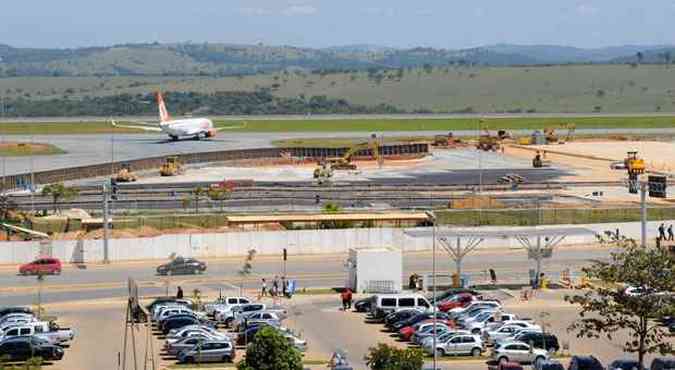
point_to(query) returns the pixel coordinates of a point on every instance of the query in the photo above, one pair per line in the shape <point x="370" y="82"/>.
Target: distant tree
<point x="219" y="193"/>
<point x="59" y="192"/>
<point x="269" y="350"/>
<point x="606" y="308"/>
<point x="197" y="194"/>
<point x="386" y="357"/>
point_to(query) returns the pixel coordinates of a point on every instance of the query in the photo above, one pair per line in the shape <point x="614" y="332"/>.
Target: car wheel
<point x="538" y="361"/>
<point x="227" y="359"/>
<point x="190" y="360"/>
<point x="57" y="272"/>
<point x="475" y="331"/>
<point x="476" y="352"/>
<point x="503" y="360"/>
<point x="440" y="352"/>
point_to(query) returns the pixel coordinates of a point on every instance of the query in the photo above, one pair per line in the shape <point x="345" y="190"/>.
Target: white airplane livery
<point x="196" y="128"/>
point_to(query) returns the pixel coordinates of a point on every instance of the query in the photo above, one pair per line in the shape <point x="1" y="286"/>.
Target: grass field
<point x="362" y="125"/>
<point x="9" y="149"/>
<point x="574" y="88"/>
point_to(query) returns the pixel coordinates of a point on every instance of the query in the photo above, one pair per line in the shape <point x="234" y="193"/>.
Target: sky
<point x="448" y="24"/>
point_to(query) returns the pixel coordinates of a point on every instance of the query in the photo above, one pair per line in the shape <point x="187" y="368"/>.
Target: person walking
<point x="670" y="232"/>
<point x="344" y="296"/>
<point x="275" y="286"/>
<point x="179" y="293"/>
<point x="662" y="232"/>
<point x="283" y="286"/>
<point x="263" y="288"/>
<point x="349" y="298"/>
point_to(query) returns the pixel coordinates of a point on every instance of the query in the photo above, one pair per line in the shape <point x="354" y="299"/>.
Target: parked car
<point x="477" y="324"/>
<point x="248" y="334"/>
<point x="49" y="331"/>
<point x="461" y="345"/>
<point x="384" y="304"/>
<point x="545" y="341"/>
<point x="449" y="293"/>
<point x="549" y="365"/>
<point x="197" y="332"/>
<point x="170" y="312"/>
<point x="180" y="265"/>
<point x="427" y="342"/>
<point x="182" y="332"/>
<point x="209" y="351"/>
<point x="471" y="307"/>
<point x="17" y="309"/>
<point x="43" y="265"/>
<point x="428" y="331"/>
<point x="397" y="316"/>
<point x="24" y="348"/>
<point x="229" y="316"/>
<point x="420" y="317"/>
<point x="17" y="318"/>
<point x="455" y="301"/>
<point x="585" y="363"/>
<point x="407" y="332"/>
<point x="505" y="366"/>
<point x="663" y="364"/>
<point x="166" y="301"/>
<point x="625" y="364"/>
<point x="363" y="304"/>
<point x="269" y="318"/>
<point x="519" y="352"/>
<point x="507" y="331"/>
<point x="178" y="322"/>
<point x="225" y="303"/>
<point x="172" y="349"/>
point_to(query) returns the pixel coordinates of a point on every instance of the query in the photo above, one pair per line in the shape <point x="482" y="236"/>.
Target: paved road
<point x="310" y="271"/>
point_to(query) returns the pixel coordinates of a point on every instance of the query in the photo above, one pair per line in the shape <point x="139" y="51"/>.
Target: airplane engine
<point x="211" y="133"/>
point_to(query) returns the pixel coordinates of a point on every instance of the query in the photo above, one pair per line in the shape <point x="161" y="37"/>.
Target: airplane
<point x="196" y="128"/>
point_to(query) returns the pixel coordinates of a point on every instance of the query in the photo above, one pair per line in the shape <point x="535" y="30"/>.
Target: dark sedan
<point x="181" y="266"/>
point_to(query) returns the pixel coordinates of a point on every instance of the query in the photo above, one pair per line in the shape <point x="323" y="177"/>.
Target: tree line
<point x="257" y="102"/>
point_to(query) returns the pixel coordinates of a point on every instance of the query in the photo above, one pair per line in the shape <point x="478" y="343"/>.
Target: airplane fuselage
<point x="192" y="127"/>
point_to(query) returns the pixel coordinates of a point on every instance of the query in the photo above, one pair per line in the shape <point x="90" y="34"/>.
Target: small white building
<point x="374" y="270"/>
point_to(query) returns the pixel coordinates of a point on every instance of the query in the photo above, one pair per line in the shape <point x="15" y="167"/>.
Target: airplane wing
<point x="139" y="125"/>
<point x="232" y="126"/>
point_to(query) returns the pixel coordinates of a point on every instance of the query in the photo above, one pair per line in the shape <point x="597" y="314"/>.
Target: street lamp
<point x="432" y="216"/>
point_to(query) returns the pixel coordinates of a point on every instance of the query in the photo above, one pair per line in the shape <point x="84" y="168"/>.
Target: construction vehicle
<point x="487" y="142"/>
<point x="445" y="140"/>
<point x="511" y="178"/>
<point x="571" y="128"/>
<point x="345" y="162"/>
<point x="323" y="173"/>
<point x="125" y="175"/>
<point x="550" y="135"/>
<point x="635" y="166"/>
<point x="171" y="167"/>
<point x="537" y="162"/>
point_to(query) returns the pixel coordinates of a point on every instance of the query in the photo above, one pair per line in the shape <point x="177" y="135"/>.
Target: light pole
<point x="480" y="159"/>
<point x="432" y="216"/>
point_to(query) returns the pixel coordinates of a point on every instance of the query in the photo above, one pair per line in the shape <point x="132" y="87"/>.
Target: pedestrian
<point x="344" y="296"/>
<point x="283" y="286"/>
<point x="275" y="286"/>
<point x="670" y="232"/>
<point x="263" y="288"/>
<point x="662" y="232"/>
<point x="349" y="298"/>
<point x="179" y="293"/>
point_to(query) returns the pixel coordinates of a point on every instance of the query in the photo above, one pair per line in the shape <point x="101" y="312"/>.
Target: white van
<point x="384" y="304"/>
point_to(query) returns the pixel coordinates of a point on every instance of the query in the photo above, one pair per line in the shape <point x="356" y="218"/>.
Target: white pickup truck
<point x="49" y="331"/>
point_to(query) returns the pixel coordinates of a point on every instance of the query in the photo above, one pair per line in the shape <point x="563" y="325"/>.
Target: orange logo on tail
<point x="163" y="113"/>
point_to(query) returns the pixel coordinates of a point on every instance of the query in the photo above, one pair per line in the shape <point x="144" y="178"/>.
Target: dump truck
<point x="171" y="167"/>
<point x="125" y="175"/>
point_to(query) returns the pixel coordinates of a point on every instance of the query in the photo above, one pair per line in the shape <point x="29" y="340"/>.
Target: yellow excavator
<point x="125" y="175"/>
<point x="327" y="166"/>
<point x="171" y="167"/>
<point x="487" y="142"/>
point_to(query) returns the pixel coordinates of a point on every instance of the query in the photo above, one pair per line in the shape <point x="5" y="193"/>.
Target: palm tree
<point x="59" y="192"/>
<point x="219" y="193"/>
<point x="198" y="193"/>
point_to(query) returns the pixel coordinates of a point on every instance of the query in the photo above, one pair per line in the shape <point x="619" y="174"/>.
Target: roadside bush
<point x="269" y="350"/>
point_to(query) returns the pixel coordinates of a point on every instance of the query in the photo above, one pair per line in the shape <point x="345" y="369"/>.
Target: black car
<point x="663" y="364"/>
<point x="625" y="364"/>
<point x="395" y="317"/>
<point x="161" y="322"/>
<point x="419" y="317"/>
<point x="180" y="266"/>
<point x="24" y="348"/>
<point x="585" y="363"/>
<point x="248" y="334"/>
<point x="545" y="341"/>
<point x="363" y="304"/>
<point x="177" y="322"/>
<point x="19" y="309"/>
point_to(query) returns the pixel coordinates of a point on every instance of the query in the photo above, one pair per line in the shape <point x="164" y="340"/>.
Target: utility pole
<point x="106" y="258"/>
<point x="643" y="214"/>
<point x="432" y="217"/>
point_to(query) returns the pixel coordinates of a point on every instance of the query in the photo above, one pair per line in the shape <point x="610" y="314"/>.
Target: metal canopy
<point x="515" y="232"/>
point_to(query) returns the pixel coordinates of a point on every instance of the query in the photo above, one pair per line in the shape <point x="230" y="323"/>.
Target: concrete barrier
<point x="231" y="244"/>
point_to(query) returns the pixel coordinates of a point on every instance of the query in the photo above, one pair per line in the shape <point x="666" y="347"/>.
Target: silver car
<point x="519" y="352"/>
<point x="461" y="345"/>
<point x="209" y="351"/>
<point x="427" y="343"/>
<point x="183" y="344"/>
<point x="269" y="318"/>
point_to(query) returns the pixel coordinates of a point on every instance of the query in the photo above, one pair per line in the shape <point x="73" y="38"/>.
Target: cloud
<point x="586" y="9"/>
<point x="254" y="11"/>
<point x="299" y="10"/>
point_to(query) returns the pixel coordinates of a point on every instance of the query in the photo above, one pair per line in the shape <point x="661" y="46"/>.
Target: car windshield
<point x="484" y="315"/>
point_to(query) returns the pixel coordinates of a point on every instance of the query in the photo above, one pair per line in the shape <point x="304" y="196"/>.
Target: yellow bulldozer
<point x="487" y="142"/>
<point x="171" y="167"/>
<point x="125" y="175"/>
<point x="634" y="164"/>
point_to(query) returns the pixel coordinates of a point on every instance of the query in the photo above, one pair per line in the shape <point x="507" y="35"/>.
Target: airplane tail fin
<point x="163" y="113"/>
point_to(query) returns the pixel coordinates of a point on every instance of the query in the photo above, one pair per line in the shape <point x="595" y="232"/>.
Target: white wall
<point x="265" y="243"/>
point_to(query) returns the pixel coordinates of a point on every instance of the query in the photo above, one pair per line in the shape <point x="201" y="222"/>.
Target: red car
<point x="42" y="265"/>
<point x="407" y="332"/>
<point x="459" y="300"/>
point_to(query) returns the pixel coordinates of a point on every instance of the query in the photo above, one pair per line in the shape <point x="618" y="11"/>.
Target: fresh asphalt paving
<point x="109" y="281"/>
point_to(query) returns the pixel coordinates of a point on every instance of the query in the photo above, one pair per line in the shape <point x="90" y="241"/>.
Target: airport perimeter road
<point x="98" y="281"/>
